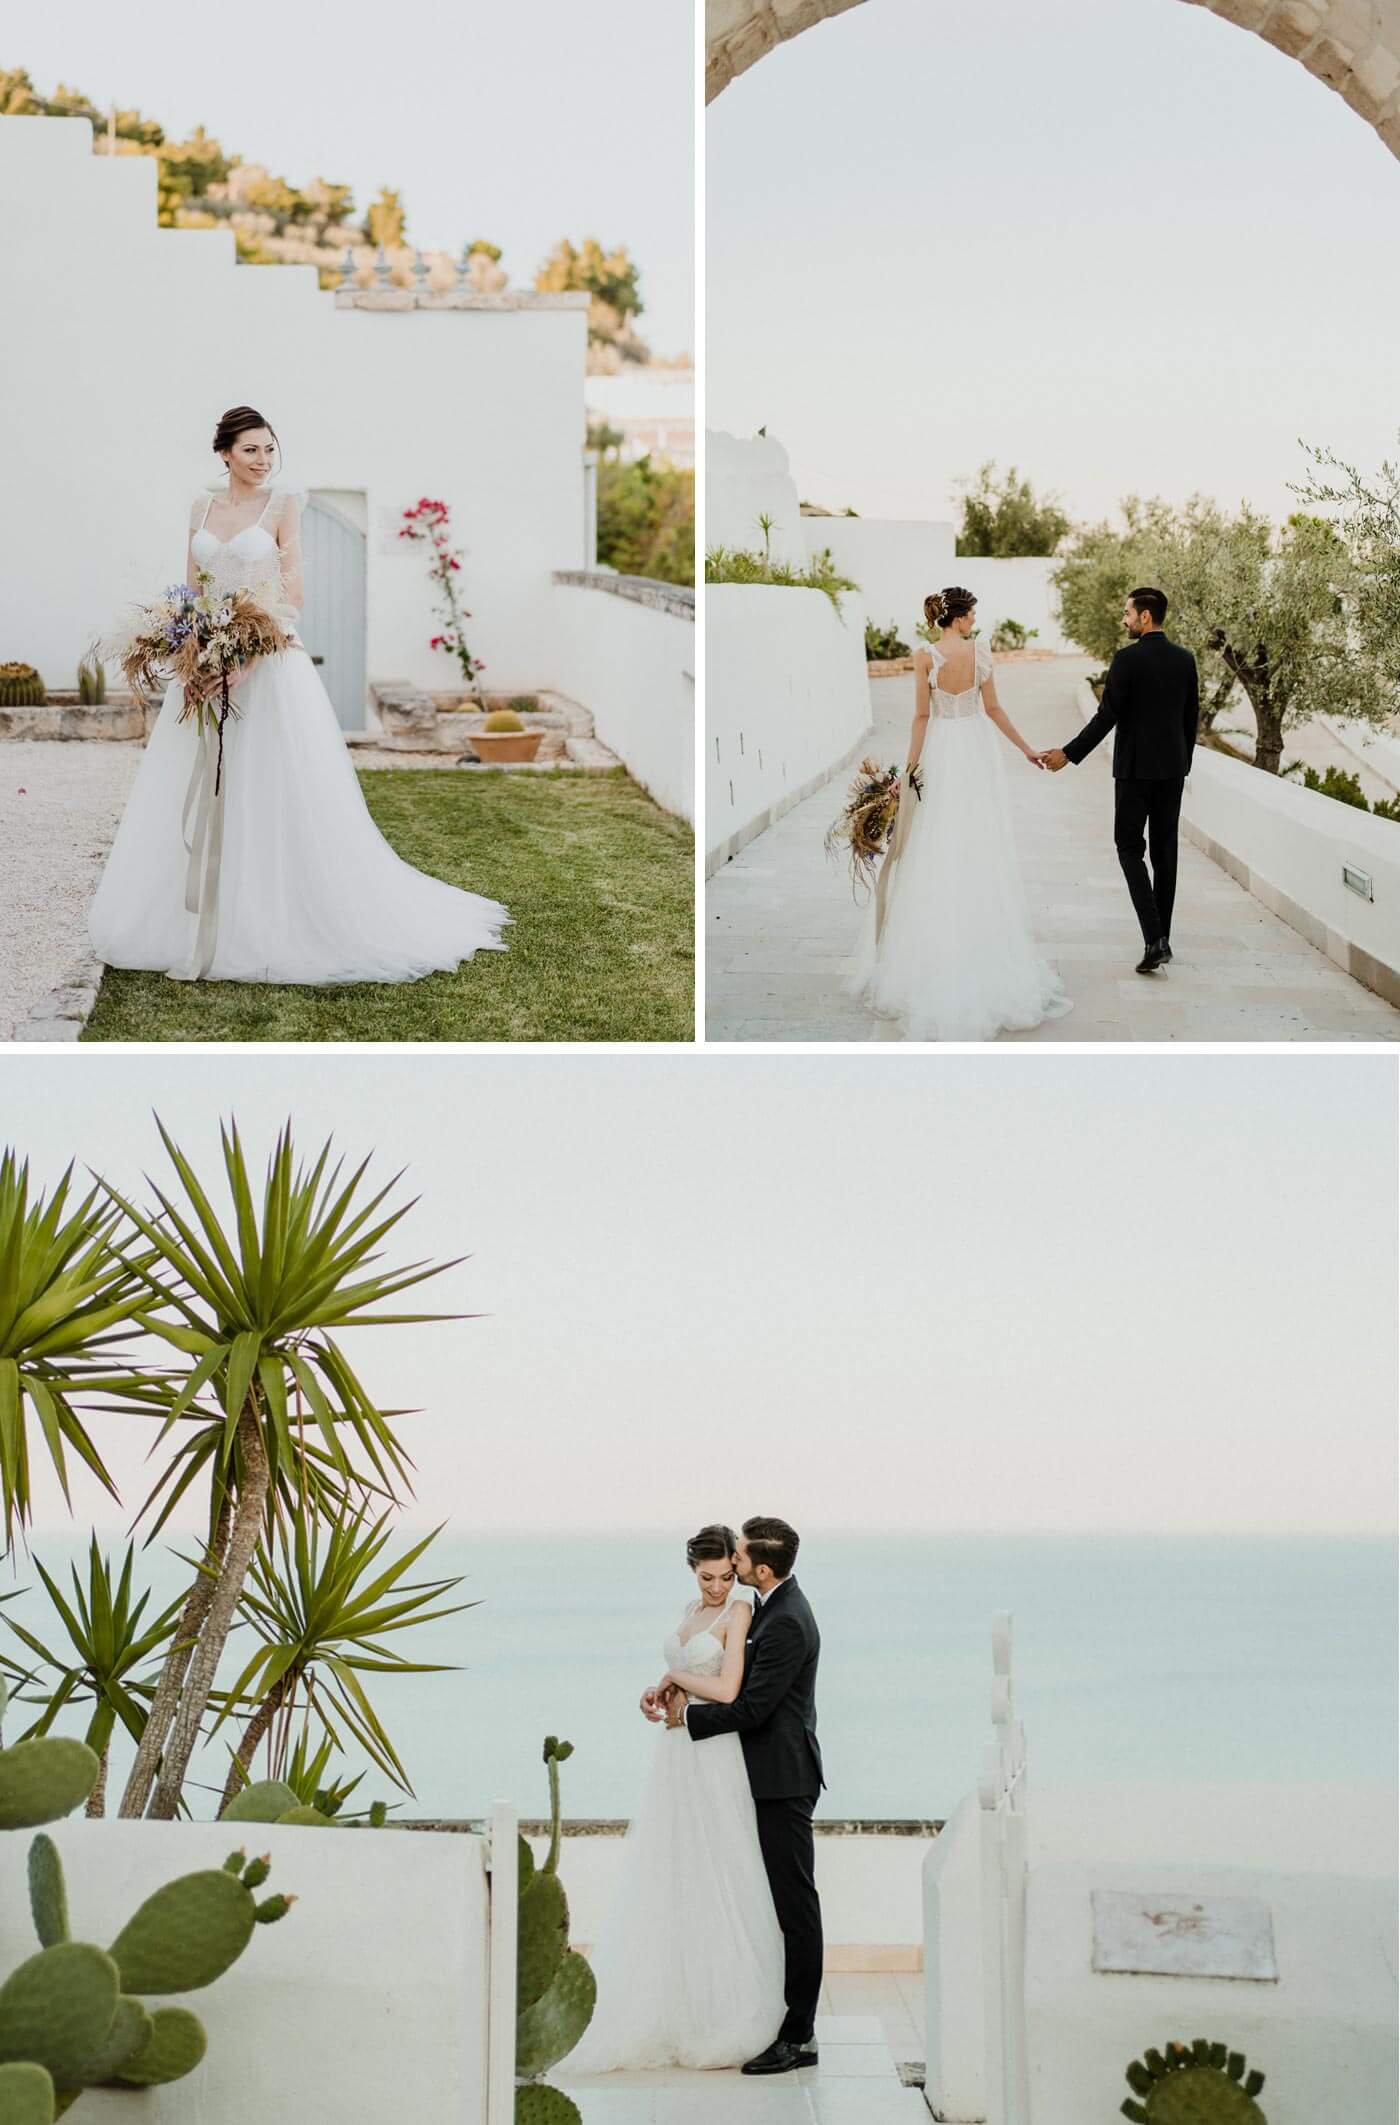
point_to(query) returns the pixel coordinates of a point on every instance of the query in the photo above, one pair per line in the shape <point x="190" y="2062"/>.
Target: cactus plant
<point x="1201" y="2083"/>
<point x="503" y="719"/>
<point x="555" y="1989"/>
<point x="266" y="1801"/>
<point x="69" y="2018"/>
<point x="92" y="681"/>
<point x="536" y="2103"/>
<point x="21" y="687"/>
<point x="26" y="2095"/>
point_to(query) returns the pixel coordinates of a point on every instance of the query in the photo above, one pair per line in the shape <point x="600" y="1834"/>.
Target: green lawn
<point x="599" y="880"/>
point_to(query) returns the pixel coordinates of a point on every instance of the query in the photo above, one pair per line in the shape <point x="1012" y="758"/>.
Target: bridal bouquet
<point x="865" y="827"/>
<point x="203" y="639"/>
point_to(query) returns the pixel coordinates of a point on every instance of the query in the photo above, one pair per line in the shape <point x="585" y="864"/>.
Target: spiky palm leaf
<point x="324" y="1608"/>
<point x="69" y="1296"/>
<point x="256" y="1305"/>
<point x="106" y="1647"/>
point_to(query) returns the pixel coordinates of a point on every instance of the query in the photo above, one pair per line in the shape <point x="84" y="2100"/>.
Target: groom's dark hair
<point x="771" y="1542"/>
<point x="1152" y="602"/>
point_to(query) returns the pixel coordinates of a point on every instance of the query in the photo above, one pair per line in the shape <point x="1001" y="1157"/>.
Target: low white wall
<point x="1287" y="846"/>
<point x="368" y="2000"/>
<point x="1322" y="2033"/>
<point x="1015" y="589"/>
<point x="869" y="1887"/>
<point x="626" y="650"/>
<point x="896" y="564"/>
<point x="787" y="702"/>
<point x="1302" y="1832"/>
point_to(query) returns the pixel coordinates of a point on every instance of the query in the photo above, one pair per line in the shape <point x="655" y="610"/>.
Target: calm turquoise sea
<point x="1144" y="1658"/>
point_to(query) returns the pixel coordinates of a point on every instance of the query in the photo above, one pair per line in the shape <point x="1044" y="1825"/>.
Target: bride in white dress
<point x="949" y="951"/>
<point x="690" y="1960"/>
<point x="282" y="876"/>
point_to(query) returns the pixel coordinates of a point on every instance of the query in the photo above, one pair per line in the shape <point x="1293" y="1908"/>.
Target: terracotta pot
<point x="504" y="746"/>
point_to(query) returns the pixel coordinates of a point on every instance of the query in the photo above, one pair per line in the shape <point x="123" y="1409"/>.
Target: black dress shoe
<point x="782" y="2057"/>
<point x="1155" y="956"/>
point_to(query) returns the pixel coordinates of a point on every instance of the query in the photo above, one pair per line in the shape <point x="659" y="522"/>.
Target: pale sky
<point x="523" y="122"/>
<point x="1014" y="156"/>
<point x="914" y="1292"/>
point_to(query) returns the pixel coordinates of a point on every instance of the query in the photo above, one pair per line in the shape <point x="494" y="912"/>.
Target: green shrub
<point x="882" y="644"/>
<point x="1010" y="634"/>
<point x="524" y="704"/>
<point x="733" y="564"/>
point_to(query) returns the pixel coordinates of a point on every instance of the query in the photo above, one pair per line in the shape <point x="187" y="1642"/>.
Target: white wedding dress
<point x="957" y="958"/>
<point x="690" y="1960"/>
<point x="282" y="876"/>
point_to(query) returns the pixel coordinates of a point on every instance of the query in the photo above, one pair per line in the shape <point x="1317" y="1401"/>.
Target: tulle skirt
<point x="957" y="957"/>
<point x="690" y="1961"/>
<point x="295" y="883"/>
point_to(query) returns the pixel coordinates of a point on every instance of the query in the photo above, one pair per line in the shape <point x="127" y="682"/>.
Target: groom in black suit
<point x="775" y="1717"/>
<point x="1151" y="701"/>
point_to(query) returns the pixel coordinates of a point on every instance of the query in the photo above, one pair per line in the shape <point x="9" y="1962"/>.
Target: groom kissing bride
<point x="712" y="1954"/>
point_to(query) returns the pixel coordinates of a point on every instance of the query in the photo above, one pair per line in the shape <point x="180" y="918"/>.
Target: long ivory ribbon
<point x="903" y="821"/>
<point x="204" y="845"/>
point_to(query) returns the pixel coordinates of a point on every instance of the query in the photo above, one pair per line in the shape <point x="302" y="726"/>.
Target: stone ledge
<point x="61" y="1015"/>
<point x="113" y="722"/>
<point x="457" y="299"/>
<point x="642" y="590"/>
<point x="412" y="721"/>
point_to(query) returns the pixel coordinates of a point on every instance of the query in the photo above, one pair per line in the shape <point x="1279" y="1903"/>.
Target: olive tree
<point x="1367" y="514"/>
<point x="1003" y="516"/>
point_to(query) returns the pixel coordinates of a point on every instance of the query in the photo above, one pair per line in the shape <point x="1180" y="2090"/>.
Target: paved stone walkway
<point x="781" y="921"/>
<point x="854" y="2082"/>
<point x="59" y="808"/>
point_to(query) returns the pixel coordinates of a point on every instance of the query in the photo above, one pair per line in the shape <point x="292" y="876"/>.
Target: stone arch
<point x="1352" y="45"/>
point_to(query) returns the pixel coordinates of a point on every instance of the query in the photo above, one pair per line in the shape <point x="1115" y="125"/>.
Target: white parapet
<point x="787" y="702"/>
<point x="625" y="648"/>
<point x="368" y="2000"/>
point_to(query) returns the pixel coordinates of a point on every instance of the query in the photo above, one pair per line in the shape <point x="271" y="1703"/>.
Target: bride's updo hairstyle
<point x="237" y="421"/>
<point x="941" y="606"/>
<point x="711" y="1545"/>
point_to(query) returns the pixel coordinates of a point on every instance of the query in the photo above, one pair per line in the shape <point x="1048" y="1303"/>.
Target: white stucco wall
<point x="1294" y="1839"/>
<point x="368" y="2000"/>
<point x="897" y="564"/>
<point x="786" y="701"/>
<point x="1288" y="845"/>
<point x="633" y="664"/>
<point x="125" y="343"/>
<point x="747" y="477"/>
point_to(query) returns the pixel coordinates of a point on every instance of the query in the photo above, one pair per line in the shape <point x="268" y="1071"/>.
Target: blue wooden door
<point x="333" y="619"/>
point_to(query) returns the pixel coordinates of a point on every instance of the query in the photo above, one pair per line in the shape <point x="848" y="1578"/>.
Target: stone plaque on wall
<point x="1171" y="1935"/>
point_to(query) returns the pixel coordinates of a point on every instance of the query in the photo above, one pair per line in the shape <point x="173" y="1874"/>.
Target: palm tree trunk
<point x="242" y="1542"/>
<point x="97" y="1798"/>
<point x="252" y="1734"/>
<point x="163" y="1708"/>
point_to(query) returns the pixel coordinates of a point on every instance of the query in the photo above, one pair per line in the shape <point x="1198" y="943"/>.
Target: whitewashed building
<point x="126" y="341"/>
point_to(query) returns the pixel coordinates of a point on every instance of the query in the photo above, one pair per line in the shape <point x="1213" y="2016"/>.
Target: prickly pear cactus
<point x="1201" y="2083"/>
<point x="548" y="2031"/>
<point x="56" y="2009"/>
<point x="26" y="2095"/>
<point x="191" y="1930"/>
<point x="43" y="1780"/>
<point x="48" y="1894"/>
<point x="536" y="2103"/>
<point x="555" y="1989"/>
<point x="174" y="2045"/>
<point x="268" y="1800"/>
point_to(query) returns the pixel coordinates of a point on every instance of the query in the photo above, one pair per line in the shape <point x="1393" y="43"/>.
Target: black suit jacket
<point x="775" y="1712"/>
<point x="1151" y="702"/>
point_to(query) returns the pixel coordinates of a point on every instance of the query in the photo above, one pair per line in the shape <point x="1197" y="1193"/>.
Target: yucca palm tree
<point x="106" y="1648"/>
<point x="258" y="1309"/>
<point x="68" y="1300"/>
<point x="323" y="1612"/>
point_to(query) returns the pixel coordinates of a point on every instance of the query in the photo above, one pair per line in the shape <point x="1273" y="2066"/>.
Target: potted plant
<point x="504" y="739"/>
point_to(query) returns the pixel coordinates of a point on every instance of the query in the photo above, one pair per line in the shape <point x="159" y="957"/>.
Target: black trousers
<point x="1149" y="810"/>
<point x="785" y="1838"/>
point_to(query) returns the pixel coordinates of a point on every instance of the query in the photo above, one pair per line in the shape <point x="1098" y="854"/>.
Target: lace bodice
<point x="702" y="1654"/>
<point x="969" y="701"/>
<point x="264" y="558"/>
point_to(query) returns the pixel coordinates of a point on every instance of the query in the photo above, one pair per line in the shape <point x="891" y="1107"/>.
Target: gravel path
<point x="59" y="807"/>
